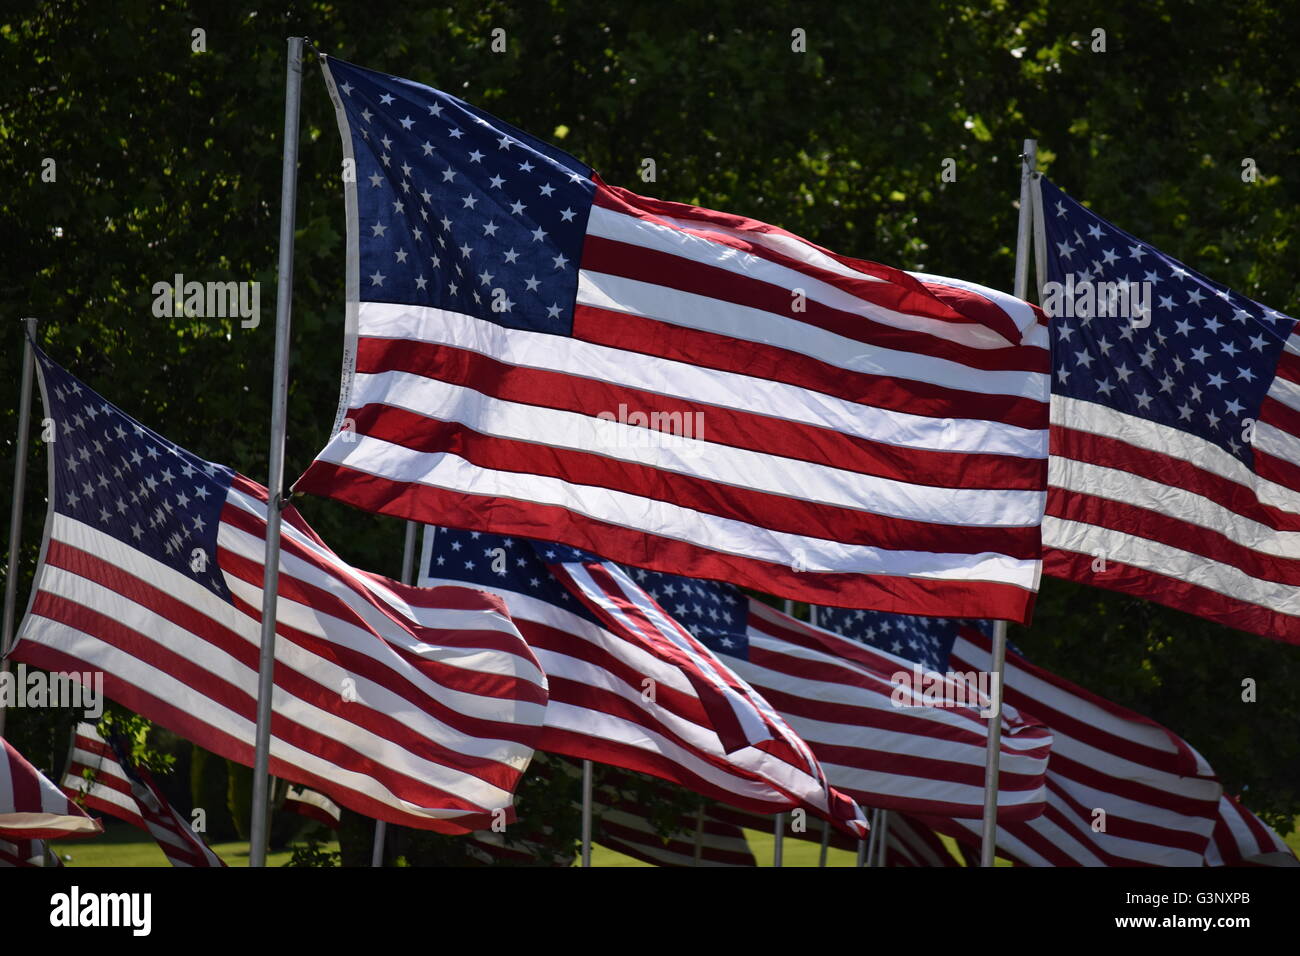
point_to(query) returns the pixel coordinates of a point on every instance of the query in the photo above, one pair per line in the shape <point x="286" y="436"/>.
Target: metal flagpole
<point x="408" y="572"/>
<point x="988" y="845"/>
<point x="883" y="839"/>
<point x="16" y="511"/>
<point x="586" y="813"/>
<point x="826" y="826"/>
<point x="279" y="407"/>
<point x="867" y="857"/>
<point x="778" y="828"/>
<point x="699" y="833"/>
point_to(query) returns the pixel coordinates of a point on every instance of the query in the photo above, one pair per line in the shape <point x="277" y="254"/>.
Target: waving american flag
<point x="414" y="706"/>
<point x="533" y="352"/>
<point x="1175" y="431"/>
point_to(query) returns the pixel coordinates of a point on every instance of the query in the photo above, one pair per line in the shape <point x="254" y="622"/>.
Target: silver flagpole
<point x="988" y="845"/>
<point x="16" y="510"/>
<point x="279" y="407"/>
<point x="699" y="833"/>
<point x="778" y="827"/>
<point x="826" y="826"/>
<point x="868" y="858"/>
<point x="586" y="813"/>
<point x="882" y="840"/>
<point x="408" y="572"/>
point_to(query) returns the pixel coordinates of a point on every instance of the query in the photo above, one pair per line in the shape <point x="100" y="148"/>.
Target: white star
<point x="1095" y="231"/>
<point x="526" y="166"/>
<point x="560" y="261"/>
<point x="1213" y="324"/>
<point x="496" y="182"/>
<point x="547" y="189"/>
<point x="1109" y="256"/>
<point x="448" y="174"/>
<point x="511" y="256"/>
<point x="1234" y="406"/>
<point x="346" y="88"/>
<point x="476" y="157"/>
<point x="490" y="229"/>
<point x="407" y="123"/>
<point x="532" y="284"/>
<point x="455" y="133"/>
<point x="435" y="109"/>
<point x="427" y="147"/>
<point x="517" y="207"/>
<point x="553" y="312"/>
<point x="375" y="180"/>
<point x="538" y="234"/>
<point x="400" y="255"/>
<point x="1136" y="252"/>
<point x="385" y="99"/>
<point x="377" y="278"/>
<point x="379" y="230"/>
<point x="503" y="143"/>
<point x="421" y="282"/>
<point x="567" y="215"/>
<point x="366" y="114"/>
<point x="1143" y="399"/>
<point x="470" y="201"/>
<point x="1246" y="373"/>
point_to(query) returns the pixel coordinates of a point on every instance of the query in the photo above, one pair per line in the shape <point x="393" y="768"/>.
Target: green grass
<point x="122" y="845"/>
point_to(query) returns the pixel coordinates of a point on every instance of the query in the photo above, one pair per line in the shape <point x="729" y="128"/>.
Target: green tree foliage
<point x="167" y="160"/>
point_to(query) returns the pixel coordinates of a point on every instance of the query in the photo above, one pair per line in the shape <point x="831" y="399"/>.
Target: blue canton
<point x="926" y="640"/>
<point x="127" y="481"/>
<point x="460" y="211"/>
<point x="1204" y="363"/>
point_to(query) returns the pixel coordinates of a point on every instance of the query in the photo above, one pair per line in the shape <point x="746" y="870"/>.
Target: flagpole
<point x="778" y="830"/>
<point x="868" y="857"/>
<point x="16" y="509"/>
<point x="586" y="813"/>
<point x="883" y="838"/>
<point x="988" y="844"/>
<point x="408" y="572"/>
<point x="279" y="408"/>
<point x="699" y="833"/>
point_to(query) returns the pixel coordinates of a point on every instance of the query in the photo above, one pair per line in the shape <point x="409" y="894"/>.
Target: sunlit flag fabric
<point x="313" y="805"/>
<point x="884" y="734"/>
<point x="414" y="706"/>
<point x="534" y="352"/>
<point x="96" y="780"/>
<point x="1159" y="797"/>
<point x="1175" y="457"/>
<point x="1243" y="839"/>
<point x="117" y="785"/>
<point x="616" y="696"/>
<point x="32" y="807"/>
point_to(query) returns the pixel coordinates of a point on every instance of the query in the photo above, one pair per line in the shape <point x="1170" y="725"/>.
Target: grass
<point x="122" y="845"/>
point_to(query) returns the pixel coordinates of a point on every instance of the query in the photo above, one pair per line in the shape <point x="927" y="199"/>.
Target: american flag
<point x="926" y="756"/>
<point x="617" y="696"/>
<point x="1173" y="472"/>
<point x="314" y="806"/>
<point x="32" y="808"/>
<point x="921" y="759"/>
<point x="26" y="853"/>
<point x="413" y="706"/>
<point x="1121" y="789"/>
<point x="534" y="352"/>
<point x="752" y="733"/>
<point x="1243" y="839"/>
<point x="116" y="785"/>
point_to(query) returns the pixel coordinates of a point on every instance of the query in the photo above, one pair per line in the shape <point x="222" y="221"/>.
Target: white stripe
<point x="1144" y="433"/>
<point x="1085" y="478"/>
<point x="747" y="324"/>
<point x="719" y="463"/>
<point x="620" y="227"/>
<point x="1171" y="562"/>
<point x="698" y="384"/>
<point x="729" y="536"/>
<point x="163" y="685"/>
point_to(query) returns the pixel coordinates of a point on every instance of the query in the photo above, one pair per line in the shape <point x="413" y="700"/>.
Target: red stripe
<point x="1172" y="592"/>
<point x="647" y="336"/>
<point x="204" y="629"/>
<point x="1110" y="452"/>
<point x="759" y="508"/>
<point x="629" y="261"/>
<point x="895" y="593"/>
<point x="324" y="601"/>
<point x="719" y="425"/>
<point x="906" y="292"/>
